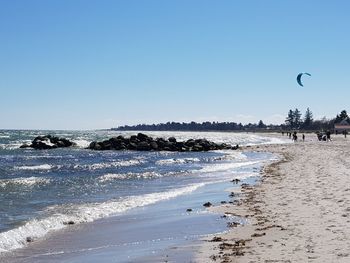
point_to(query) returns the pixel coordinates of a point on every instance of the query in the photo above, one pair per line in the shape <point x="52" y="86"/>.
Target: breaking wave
<point x="177" y="161"/>
<point x="41" y="167"/>
<point x="96" y="166"/>
<point x="37" y="228"/>
<point x="24" y="181"/>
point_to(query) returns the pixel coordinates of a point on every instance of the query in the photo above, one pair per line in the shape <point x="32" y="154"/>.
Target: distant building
<point x="344" y="125"/>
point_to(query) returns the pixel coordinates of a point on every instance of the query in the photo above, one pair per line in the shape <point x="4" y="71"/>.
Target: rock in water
<point x="143" y="142"/>
<point x="48" y="142"/>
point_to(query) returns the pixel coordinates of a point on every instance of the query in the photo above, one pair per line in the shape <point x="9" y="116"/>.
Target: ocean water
<point x="41" y="192"/>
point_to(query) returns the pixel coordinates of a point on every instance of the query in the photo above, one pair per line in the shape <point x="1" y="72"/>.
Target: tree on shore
<point x="290" y="119"/>
<point x="342" y="116"/>
<point x="293" y="120"/>
<point x="308" y="120"/>
<point x="297" y="118"/>
<point x="261" y="125"/>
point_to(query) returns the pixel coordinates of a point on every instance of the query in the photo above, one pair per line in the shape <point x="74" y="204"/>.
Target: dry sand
<point x="299" y="212"/>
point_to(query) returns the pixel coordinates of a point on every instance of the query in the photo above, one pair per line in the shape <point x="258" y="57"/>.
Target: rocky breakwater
<point x="142" y="142"/>
<point x="48" y="142"/>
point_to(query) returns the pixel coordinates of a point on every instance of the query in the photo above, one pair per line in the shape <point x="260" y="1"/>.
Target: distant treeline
<point x="193" y="126"/>
<point x="294" y="121"/>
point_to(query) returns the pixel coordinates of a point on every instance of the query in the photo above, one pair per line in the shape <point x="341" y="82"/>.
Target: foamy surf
<point x="105" y="165"/>
<point x="177" y="161"/>
<point x="145" y="175"/>
<point x="38" y="228"/>
<point x="81" y="143"/>
<point x="24" y="181"/>
<point x="35" y="167"/>
<point x="225" y="166"/>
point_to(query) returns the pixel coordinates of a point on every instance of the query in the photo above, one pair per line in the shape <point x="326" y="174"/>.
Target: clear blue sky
<point x="83" y="64"/>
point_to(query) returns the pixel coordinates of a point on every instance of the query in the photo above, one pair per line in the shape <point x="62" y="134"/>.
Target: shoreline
<point x="299" y="211"/>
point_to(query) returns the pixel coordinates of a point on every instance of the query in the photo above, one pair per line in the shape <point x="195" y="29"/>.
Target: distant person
<point x="328" y="135"/>
<point x="289" y="135"/>
<point x="345" y="132"/>
<point x="282" y="133"/>
<point x="303" y="137"/>
<point x="295" y="137"/>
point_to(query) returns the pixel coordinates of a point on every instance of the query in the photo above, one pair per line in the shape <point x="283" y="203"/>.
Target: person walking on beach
<point x="328" y="134"/>
<point x="295" y="137"/>
<point x="303" y="137"/>
<point x="345" y="132"/>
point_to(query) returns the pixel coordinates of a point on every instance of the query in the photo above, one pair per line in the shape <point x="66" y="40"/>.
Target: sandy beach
<point x="298" y="212"/>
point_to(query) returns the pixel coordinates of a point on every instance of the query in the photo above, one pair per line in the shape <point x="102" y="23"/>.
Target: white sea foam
<point x="10" y="146"/>
<point x="225" y="166"/>
<point x="38" y="228"/>
<point x="230" y="155"/>
<point x="24" y="181"/>
<point x="31" y="157"/>
<point x="35" y="167"/>
<point x="177" y="161"/>
<point x="96" y="166"/>
<point x="81" y="143"/>
<point x="145" y="175"/>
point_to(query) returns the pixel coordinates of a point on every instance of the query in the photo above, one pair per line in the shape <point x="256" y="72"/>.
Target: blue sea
<point x="43" y="192"/>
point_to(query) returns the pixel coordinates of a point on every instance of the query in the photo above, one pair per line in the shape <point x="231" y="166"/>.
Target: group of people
<point x="294" y="136"/>
<point x="324" y="136"/>
<point x="321" y="136"/>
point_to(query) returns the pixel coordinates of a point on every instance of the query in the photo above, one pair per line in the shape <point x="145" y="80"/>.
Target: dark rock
<point x="29" y="239"/>
<point x="154" y="145"/>
<point x="236" y="147"/>
<point x="143" y="146"/>
<point x="133" y="138"/>
<point x="95" y="146"/>
<point x="143" y="142"/>
<point x="48" y="142"/>
<point x="132" y="146"/>
<point x="69" y="222"/>
<point x="106" y="145"/>
<point x="24" y="146"/>
<point x="189" y="210"/>
<point x="172" y="139"/>
<point x="142" y="137"/>
<point x="197" y="148"/>
<point x="161" y="143"/>
<point x="190" y="143"/>
<point x="207" y="204"/>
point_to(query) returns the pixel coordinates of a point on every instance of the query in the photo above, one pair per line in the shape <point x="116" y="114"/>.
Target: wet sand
<point x="299" y="212"/>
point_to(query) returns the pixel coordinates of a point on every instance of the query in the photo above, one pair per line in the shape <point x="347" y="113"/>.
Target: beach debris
<point x="143" y="142"/>
<point x="216" y="239"/>
<point x="223" y="202"/>
<point x="232" y="224"/>
<point x="207" y="204"/>
<point x="232" y="194"/>
<point x="189" y="210"/>
<point x="245" y="185"/>
<point x="258" y="234"/>
<point x="29" y="239"/>
<point x="299" y="78"/>
<point x="270" y="226"/>
<point x="48" y="142"/>
<point x="69" y="222"/>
